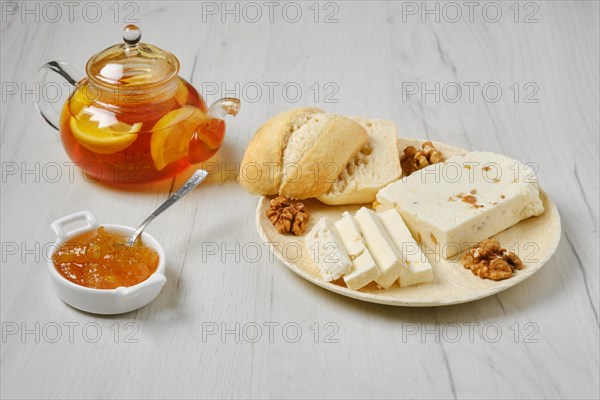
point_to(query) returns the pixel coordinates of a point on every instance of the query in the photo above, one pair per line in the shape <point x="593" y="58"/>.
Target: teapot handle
<point x="47" y="107"/>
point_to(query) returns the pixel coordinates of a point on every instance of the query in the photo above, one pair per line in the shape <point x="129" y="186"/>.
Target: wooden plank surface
<point x="379" y="59"/>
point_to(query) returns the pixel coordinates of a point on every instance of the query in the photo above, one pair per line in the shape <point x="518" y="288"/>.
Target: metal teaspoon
<point x="194" y="181"/>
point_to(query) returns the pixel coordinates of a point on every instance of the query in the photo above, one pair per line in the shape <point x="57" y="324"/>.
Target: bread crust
<point x="260" y="170"/>
<point x="339" y="141"/>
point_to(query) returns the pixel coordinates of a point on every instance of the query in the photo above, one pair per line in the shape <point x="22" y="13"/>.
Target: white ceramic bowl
<point x="103" y="301"/>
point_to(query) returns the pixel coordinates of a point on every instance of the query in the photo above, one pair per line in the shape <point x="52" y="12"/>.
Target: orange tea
<point x="132" y="118"/>
<point x="138" y="138"/>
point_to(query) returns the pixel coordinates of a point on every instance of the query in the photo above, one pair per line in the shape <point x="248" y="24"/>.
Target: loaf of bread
<point x="300" y="153"/>
<point x="376" y="165"/>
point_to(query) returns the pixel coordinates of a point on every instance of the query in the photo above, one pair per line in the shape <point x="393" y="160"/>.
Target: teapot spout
<point x="223" y="107"/>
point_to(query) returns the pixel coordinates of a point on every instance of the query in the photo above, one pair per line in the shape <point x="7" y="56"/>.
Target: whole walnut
<point x="489" y="260"/>
<point x="287" y="217"/>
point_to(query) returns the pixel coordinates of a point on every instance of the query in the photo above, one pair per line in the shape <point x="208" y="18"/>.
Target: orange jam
<point x="103" y="260"/>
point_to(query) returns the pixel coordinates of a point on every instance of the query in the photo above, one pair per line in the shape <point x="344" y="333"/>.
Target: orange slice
<point x="172" y="133"/>
<point x="99" y="131"/>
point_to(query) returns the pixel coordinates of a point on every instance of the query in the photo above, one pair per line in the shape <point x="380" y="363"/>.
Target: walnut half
<point x="489" y="260"/>
<point x="413" y="160"/>
<point x="287" y="217"/>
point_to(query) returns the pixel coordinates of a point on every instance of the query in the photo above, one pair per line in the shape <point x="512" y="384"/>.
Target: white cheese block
<point x="350" y="234"/>
<point x="326" y="250"/>
<point x="419" y="270"/>
<point x="434" y="201"/>
<point x="380" y="245"/>
<point x="363" y="271"/>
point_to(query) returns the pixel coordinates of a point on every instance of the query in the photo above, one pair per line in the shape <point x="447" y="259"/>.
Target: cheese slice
<point x="453" y="205"/>
<point x="326" y="250"/>
<point x="349" y="232"/>
<point x="419" y="270"/>
<point x="380" y="245"/>
<point x="363" y="271"/>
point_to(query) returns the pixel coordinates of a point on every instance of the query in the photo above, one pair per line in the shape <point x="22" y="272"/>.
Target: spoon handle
<point x="194" y="181"/>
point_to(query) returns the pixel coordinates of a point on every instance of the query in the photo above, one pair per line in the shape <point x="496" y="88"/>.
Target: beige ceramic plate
<point x="534" y="239"/>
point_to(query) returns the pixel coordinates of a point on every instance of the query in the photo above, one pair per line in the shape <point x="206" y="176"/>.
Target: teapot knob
<point x="132" y="35"/>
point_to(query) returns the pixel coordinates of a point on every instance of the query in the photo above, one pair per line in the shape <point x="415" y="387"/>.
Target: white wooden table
<point x="231" y="324"/>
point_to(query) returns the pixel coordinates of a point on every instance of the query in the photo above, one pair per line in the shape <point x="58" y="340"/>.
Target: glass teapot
<point x="132" y="118"/>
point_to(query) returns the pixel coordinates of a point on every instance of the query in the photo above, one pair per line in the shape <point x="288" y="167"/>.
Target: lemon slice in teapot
<point x="172" y="133"/>
<point x="99" y="131"/>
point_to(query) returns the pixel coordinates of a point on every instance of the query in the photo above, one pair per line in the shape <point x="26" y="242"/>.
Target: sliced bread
<point x="375" y="166"/>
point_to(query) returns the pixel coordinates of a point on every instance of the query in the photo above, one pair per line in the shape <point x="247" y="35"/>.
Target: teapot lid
<point x="132" y="63"/>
